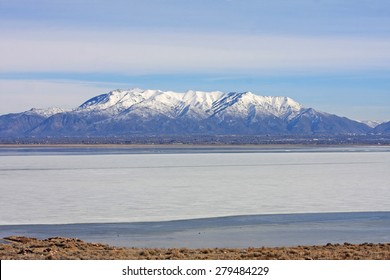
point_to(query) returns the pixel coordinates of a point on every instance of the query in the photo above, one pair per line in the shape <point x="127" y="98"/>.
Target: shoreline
<point x="189" y="145"/>
<point x="127" y="149"/>
<point x="59" y="248"/>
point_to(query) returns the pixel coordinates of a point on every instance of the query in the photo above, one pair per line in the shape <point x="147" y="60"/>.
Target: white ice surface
<point x="156" y="187"/>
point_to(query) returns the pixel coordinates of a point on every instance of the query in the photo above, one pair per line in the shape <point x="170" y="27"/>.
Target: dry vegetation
<point x="70" y="248"/>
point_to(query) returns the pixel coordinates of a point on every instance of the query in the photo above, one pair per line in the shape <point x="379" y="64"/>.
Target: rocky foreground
<point x="59" y="248"/>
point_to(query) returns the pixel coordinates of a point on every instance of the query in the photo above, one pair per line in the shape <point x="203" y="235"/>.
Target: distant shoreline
<point x="205" y="140"/>
<point x="112" y="149"/>
<point x="188" y="146"/>
<point x="205" y="145"/>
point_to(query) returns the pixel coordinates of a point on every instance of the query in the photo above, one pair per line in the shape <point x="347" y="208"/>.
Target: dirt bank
<point x="70" y="248"/>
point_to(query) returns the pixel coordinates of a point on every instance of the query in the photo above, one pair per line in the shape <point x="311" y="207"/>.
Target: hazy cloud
<point x="136" y="53"/>
<point x="22" y="95"/>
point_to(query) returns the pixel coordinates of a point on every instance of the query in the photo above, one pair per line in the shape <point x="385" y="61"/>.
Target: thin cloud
<point x="136" y="53"/>
<point x="22" y="95"/>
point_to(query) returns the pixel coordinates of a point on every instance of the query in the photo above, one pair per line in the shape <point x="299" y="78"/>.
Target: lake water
<point x="91" y="185"/>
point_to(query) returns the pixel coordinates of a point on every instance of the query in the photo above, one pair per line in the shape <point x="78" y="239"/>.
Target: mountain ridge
<point x="137" y="111"/>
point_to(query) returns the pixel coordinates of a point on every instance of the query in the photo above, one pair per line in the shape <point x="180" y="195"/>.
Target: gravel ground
<point x="59" y="248"/>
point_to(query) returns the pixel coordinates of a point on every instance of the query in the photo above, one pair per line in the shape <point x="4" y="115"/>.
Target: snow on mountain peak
<point x="265" y="105"/>
<point x="117" y="99"/>
<point x="48" y="112"/>
<point x="371" y="123"/>
<point x="198" y="104"/>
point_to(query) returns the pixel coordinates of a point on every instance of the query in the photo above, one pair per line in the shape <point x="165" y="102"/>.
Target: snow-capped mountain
<point x="197" y="104"/>
<point x="137" y="111"/>
<point x="16" y="125"/>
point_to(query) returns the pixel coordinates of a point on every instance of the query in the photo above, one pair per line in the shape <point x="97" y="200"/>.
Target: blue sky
<point x="330" y="55"/>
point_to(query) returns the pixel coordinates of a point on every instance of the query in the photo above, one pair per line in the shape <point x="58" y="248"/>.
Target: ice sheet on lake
<point x="47" y="189"/>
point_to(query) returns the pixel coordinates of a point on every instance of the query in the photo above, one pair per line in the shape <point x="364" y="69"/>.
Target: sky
<point x="332" y="55"/>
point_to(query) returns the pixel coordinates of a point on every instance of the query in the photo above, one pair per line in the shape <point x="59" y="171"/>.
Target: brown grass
<point x="60" y="248"/>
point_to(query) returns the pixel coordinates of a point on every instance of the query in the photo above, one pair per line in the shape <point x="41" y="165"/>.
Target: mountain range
<point x="155" y="112"/>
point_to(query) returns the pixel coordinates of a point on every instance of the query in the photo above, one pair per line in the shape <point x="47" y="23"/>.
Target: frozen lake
<point x="105" y="186"/>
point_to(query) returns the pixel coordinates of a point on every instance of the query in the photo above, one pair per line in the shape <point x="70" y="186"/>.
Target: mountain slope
<point x="383" y="128"/>
<point x="19" y="124"/>
<point x="136" y="111"/>
<point x="310" y="120"/>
